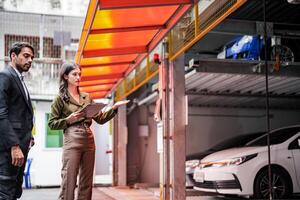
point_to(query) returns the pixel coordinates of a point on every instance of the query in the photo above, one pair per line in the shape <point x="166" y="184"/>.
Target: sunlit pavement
<point x="52" y="194"/>
<point x="42" y="194"/>
<point x="112" y="193"/>
<point x="99" y="193"/>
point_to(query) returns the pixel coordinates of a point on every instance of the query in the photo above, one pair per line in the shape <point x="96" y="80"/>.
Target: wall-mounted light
<point x="156" y="58"/>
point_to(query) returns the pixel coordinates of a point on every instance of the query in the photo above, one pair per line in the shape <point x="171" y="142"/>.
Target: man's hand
<point x="32" y="142"/>
<point x="17" y="157"/>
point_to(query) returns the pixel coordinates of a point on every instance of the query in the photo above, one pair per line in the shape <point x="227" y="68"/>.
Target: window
<point x="50" y="50"/>
<point x="295" y="144"/>
<point x="54" y="138"/>
<point x="10" y="39"/>
<point x="277" y="137"/>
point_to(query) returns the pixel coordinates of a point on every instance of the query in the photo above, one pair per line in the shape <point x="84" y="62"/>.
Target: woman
<point x="79" y="147"/>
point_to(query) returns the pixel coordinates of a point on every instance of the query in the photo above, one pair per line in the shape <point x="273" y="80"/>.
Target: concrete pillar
<point x="120" y="148"/>
<point x="165" y="99"/>
<point x="177" y="128"/>
<point x="115" y="151"/>
<point x="172" y="90"/>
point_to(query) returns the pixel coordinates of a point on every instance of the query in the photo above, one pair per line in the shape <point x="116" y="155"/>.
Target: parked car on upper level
<point x="244" y="170"/>
<point x="193" y="160"/>
<point x="245" y="47"/>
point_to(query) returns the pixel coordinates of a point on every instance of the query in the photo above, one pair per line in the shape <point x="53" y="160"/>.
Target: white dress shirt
<point x="21" y="77"/>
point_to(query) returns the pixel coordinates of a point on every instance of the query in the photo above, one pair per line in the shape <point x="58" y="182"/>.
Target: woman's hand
<point x="119" y="103"/>
<point x="74" y="117"/>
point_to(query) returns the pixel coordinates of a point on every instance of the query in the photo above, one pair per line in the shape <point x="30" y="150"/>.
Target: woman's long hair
<point x="65" y="69"/>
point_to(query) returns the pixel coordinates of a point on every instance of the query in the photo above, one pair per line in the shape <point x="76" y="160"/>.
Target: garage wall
<point x="209" y="126"/>
<point x="142" y="156"/>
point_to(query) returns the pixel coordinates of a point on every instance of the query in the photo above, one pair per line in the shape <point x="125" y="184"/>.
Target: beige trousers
<point x="78" y="159"/>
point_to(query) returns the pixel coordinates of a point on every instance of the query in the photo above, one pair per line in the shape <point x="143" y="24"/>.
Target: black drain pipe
<point x="267" y="100"/>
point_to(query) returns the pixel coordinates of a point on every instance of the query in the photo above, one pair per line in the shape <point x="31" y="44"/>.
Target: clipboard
<point x="92" y="109"/>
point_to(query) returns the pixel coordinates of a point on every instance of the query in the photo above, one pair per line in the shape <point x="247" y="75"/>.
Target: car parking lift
<point x="117" y="36"/>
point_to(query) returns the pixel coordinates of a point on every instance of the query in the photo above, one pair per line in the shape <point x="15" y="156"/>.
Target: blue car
<point x="244" y="47"/>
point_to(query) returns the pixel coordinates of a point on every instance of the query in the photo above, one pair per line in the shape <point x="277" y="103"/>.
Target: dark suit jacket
<point x="16" y="114"/>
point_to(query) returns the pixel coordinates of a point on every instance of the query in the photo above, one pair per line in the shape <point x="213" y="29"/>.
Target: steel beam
<point x="245" y="67"/>
<point x="101" y="77"/>
<point x="94" y="90"/>
<point x="248" y="27"/>
<point x="108" y="64"/>
<point x="114" y="52"/>
<point x="127" y="29"/>
<point x="235" y="27"/>
<point x="218" y="94"/>
<point x="117" y="4"/>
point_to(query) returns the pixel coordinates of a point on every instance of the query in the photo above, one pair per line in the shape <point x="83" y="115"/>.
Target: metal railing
<point x="190" y="29"/>
<point x="137" y="78"/>
<point x="187" y="32"/>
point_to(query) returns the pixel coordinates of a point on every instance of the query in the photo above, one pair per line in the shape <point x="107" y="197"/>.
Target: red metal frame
<point x="120" y="33"/>
<point x="117" y="4"/>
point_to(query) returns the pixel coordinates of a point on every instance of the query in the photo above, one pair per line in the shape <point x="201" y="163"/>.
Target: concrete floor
<point x="111" y="193"/>
<point x="99" y="193"/>
<point x="52" y="194"/>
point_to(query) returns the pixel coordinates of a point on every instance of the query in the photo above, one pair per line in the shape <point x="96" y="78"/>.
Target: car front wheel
<point x="281" y="187"/>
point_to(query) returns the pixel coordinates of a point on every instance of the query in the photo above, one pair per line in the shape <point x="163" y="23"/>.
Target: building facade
<point x="55" y="40"/>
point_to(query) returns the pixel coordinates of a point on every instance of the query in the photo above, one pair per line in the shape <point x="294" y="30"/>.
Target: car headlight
<point x="192" y="163"/>
<point x="228" y="162"/>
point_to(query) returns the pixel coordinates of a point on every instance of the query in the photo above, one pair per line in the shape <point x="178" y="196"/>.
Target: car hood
<point x="199" y="156"/>
<point x="233" y="153"/>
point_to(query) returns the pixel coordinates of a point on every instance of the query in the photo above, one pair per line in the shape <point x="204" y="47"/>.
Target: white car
<point x="193" y="160"/>
<point x="244" y="171"/>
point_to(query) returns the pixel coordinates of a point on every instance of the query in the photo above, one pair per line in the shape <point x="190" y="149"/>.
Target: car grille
<point x="232" y="184"/>
<point x="191" y="178"/>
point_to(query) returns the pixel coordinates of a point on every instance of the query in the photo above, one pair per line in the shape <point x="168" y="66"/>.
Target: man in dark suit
<point x="16" y="121"/>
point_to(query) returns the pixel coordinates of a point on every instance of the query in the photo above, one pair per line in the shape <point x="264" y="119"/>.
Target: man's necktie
<point x="24" y="87"/>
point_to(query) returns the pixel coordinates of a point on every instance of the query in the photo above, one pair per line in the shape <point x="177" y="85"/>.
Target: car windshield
<point x="276" y="137"/>
<point x="237" y="141"/>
